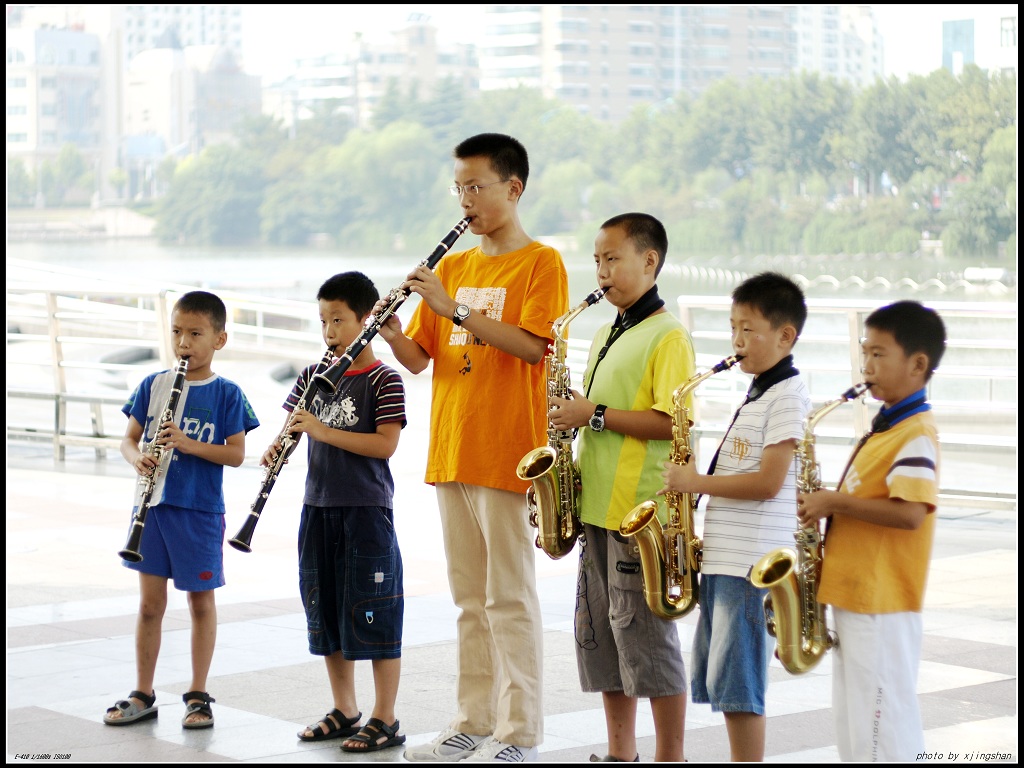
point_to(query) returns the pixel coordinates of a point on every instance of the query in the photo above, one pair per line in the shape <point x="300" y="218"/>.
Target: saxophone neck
<point x="817" y="415"/>
<point x="560" y="327"/>
<point x="679" y="396"/>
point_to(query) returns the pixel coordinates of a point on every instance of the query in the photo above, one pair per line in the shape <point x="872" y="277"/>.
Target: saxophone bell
<point x="670" y="557"/>
<point x="553" y="498"/>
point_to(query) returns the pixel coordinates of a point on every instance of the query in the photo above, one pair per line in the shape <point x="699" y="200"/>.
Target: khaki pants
<point x="489" y="547"/>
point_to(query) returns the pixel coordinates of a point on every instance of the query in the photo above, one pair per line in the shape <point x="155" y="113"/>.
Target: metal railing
<point x="68" y="334"/>
<point x="973" y="391"/>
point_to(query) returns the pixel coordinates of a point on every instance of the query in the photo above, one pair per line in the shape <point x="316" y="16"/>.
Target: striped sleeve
<point x="913" y="475"/>
<point x="300" y="386"/>
<point x="390" y="393"/>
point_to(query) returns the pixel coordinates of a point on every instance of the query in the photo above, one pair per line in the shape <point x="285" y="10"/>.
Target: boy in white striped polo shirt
<point x="752" y="490"/>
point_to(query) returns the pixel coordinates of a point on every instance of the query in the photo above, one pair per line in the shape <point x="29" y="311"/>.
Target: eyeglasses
<point x="472" y="189"/>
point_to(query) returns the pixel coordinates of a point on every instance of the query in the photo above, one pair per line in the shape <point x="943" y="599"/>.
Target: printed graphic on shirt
<point x="338" y="415"/>
<point x="489" y="302"/>
<point x="198" y="424"/>
<point x="740" y="447"/>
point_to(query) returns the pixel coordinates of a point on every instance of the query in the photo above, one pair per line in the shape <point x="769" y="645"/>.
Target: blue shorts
<point x="731" y="647"/>
<point x="621" y="645"/>
<point x="186" y="545"/>
<point x="350" y="580"/>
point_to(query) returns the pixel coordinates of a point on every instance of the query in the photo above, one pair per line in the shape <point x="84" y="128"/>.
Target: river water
<point x="297" y="273"/>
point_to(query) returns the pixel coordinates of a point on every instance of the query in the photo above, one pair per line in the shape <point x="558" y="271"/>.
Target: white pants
<point x="874" y="686"/>
<point x="489" y="546"/>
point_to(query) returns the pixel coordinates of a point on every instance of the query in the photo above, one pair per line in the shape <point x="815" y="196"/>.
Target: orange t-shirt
<point x="489" y="409"/>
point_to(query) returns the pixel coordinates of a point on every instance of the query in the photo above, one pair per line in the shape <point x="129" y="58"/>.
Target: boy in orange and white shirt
<point x="879" y="541"/>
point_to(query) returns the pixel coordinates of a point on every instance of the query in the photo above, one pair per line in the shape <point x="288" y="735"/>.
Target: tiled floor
<point x="71" y="611"/>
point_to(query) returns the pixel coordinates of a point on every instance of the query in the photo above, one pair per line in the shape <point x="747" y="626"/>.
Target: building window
<point x="1008" y="32"/>
<point x="17" y="138"/>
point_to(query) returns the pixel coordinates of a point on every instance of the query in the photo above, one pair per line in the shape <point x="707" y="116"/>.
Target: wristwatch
<point x="597" y="420"/>
<point x="461" y="313"/>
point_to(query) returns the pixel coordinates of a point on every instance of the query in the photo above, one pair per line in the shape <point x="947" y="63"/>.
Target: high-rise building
<point x="126" y="84"/>
<point x="607" y="59"/>
<point x="413" y="61"/>
<point x="53" y="96"/>
<point x="985" y="36"/>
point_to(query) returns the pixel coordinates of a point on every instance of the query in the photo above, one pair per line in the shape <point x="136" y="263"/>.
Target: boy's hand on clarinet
<point x="424" y="282"/>
<point x="270" y="455"/>
<point x="390" y="328"/>
<point x="304" y="421"/>
<point x="171" y="437"/>
<point x="144" y="464"/>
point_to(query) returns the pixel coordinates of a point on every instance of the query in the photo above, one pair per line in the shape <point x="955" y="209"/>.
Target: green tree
<point x="213" y="200"/>
<point x="20" y="187"/>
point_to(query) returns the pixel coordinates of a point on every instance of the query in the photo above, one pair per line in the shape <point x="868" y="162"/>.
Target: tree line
<point x="797" y="165"/>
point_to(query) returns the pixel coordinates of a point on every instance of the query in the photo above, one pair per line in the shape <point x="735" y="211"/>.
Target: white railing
<point x="973" y="392"/>
<point x="67" y="333"/>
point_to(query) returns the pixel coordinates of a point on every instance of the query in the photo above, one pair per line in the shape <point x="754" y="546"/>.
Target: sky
<point x="278" y="33"/>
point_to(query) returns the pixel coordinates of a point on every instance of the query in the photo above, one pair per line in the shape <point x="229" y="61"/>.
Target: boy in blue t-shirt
<point x="183" y="536"/>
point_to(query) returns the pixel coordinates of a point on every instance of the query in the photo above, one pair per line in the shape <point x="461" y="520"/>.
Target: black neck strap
<point x="781" y="371"/>
<point x="632" y="316"/>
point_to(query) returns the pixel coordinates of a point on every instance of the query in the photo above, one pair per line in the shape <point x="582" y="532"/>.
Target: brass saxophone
<point x="670" y="558"/>
<point x="793" y="615"/>
<point x="552" y="501"/>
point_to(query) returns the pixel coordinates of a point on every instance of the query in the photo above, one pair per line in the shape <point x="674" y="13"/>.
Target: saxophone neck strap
<point x="632" y="316"/>
<point x="781" y="371"/>
<point x="884" y="420"/>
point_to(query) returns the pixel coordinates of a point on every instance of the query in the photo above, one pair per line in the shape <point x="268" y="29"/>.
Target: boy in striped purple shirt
<point x="350" y="566"/>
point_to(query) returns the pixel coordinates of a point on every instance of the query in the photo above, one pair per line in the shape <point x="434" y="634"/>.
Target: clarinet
<point x="329" y="379"/>
<point x="148" y="482"/>
<point x="289" y="440"/>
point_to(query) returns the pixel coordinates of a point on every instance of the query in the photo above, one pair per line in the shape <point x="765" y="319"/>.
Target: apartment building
<point x="607" y="59"/>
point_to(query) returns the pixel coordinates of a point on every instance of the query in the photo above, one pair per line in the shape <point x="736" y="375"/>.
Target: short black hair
<point x="204" y="303"/>
<point x="645" y="231"/>
<point x="776" y="297"/>
<point x="354" y="288"/>
<point x="506" y="155"/>
<point x="915" y="327"/>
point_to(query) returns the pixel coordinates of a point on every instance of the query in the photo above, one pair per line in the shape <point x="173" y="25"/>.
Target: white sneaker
<point x="448" y="746"/>
<point x="494" y="751"/>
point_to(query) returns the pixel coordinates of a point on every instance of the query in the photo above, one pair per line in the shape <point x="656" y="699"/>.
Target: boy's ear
<point x="515" y="188"/>
<point x="919" y="365"/>
<point x="222" y="339"/>
<point x="788" y="335"/>
<point x="651" y="258"/>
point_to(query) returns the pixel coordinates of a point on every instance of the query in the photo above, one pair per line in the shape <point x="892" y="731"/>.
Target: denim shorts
<point x="184" y="545"/>
<point x="731" y="646"/>
<point x="350" y="580"/>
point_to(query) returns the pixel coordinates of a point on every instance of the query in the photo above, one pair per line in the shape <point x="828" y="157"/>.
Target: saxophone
<point x="793" y="615"/>
<point x="552" y="501"/>
<point x="670" y="558"/>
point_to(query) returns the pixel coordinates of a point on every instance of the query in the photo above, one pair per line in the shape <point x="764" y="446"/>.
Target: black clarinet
<point x="289" y="440"/>
<point x="148" y="482"/>
<point x="329" y="379"/>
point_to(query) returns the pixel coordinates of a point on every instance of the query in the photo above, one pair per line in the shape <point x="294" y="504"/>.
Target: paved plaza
<point x="71" y="610"/>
